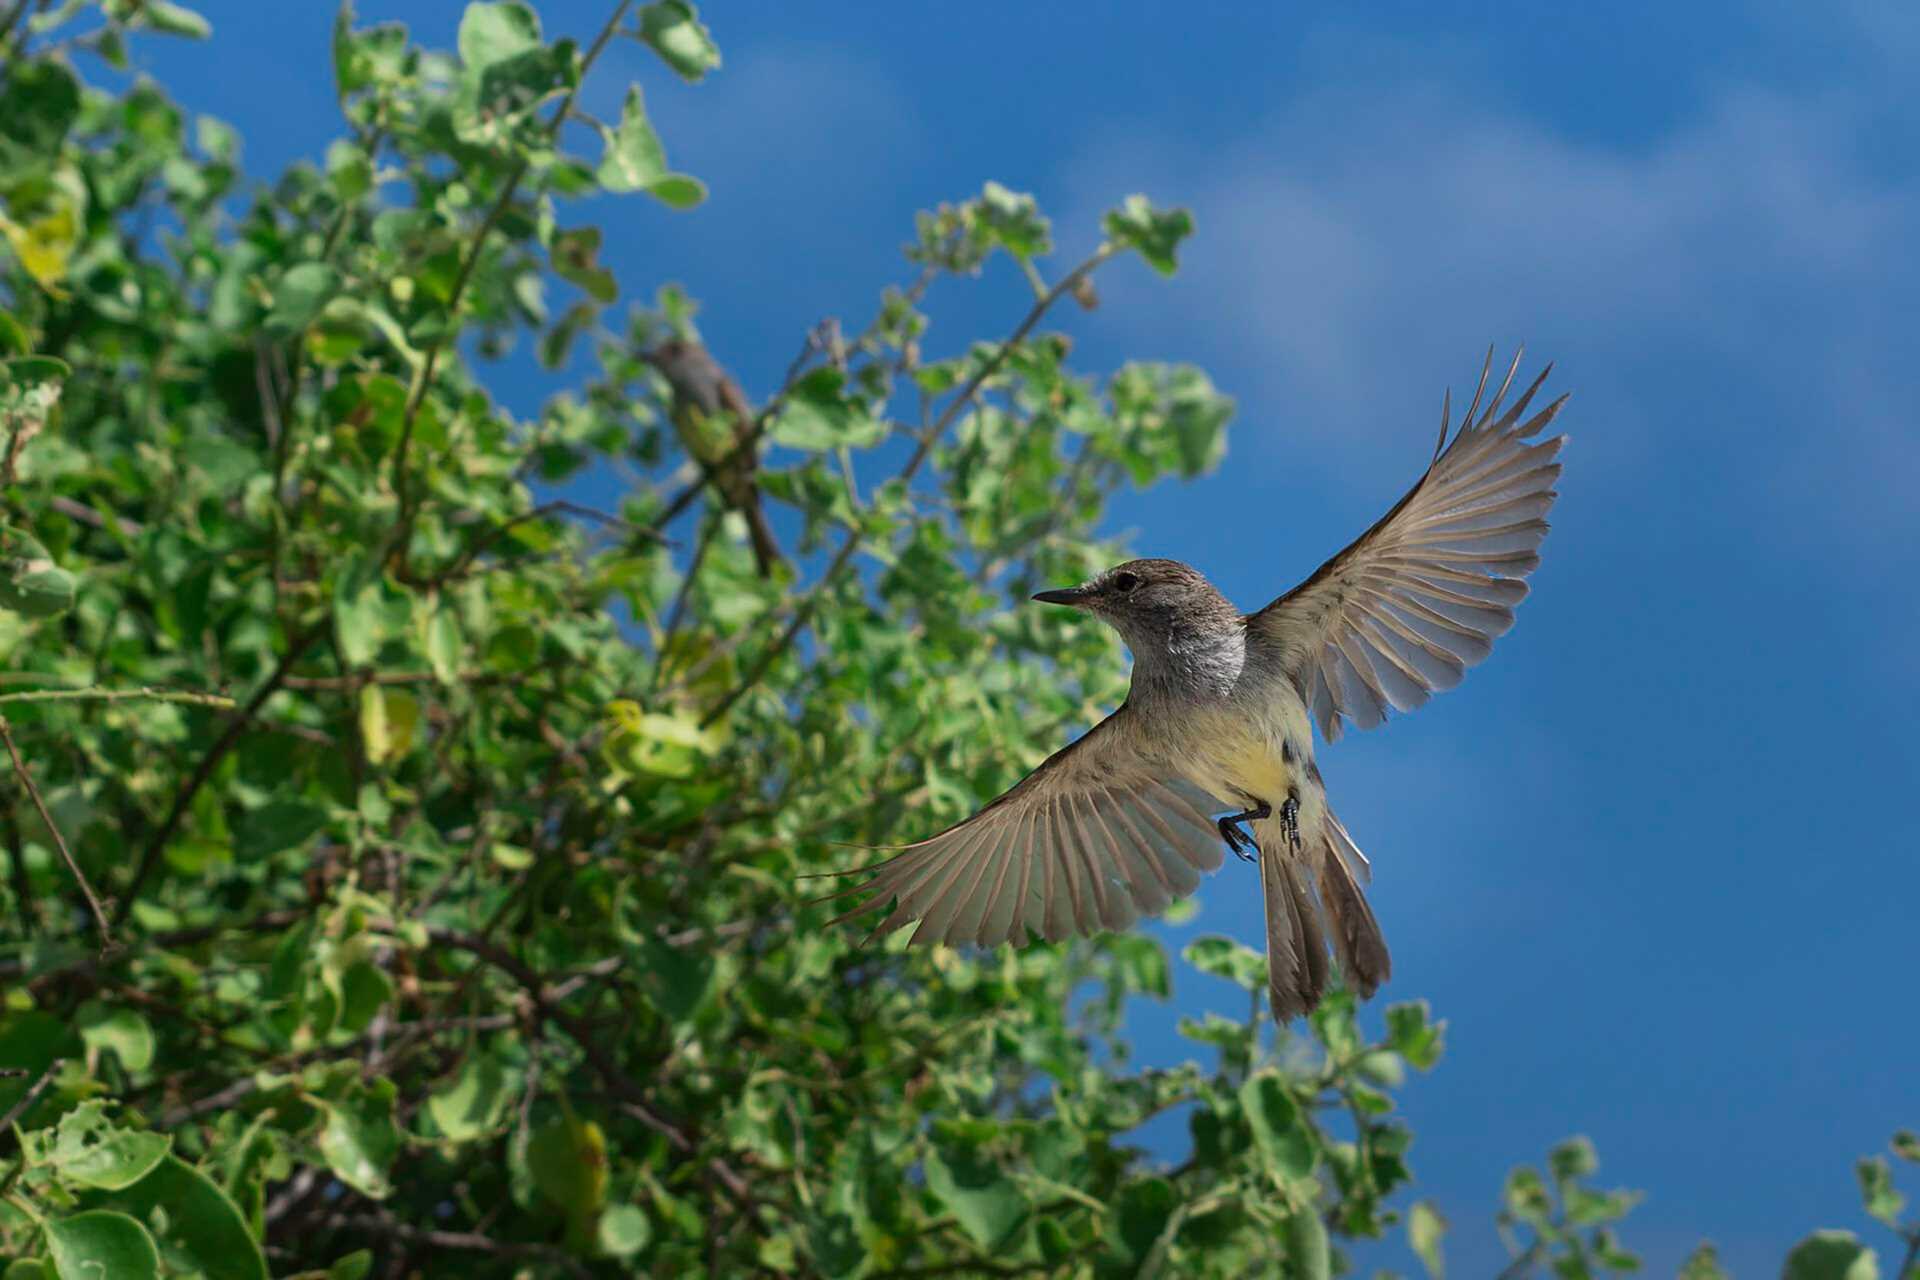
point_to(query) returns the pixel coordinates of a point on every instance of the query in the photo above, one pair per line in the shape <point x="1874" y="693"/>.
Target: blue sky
<point x="1655" y="860"/>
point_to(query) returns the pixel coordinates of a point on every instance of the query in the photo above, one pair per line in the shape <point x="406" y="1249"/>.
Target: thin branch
<point x="147" y="693"/>
<point x="541" y="512"/>
<point x="12" y="20"/>
<point x="803" y="612"/>
<point x="424" y="380"/>
<point x="88" y="516"/>
<point x="59" y="841"/>
<point x="31" y="1096"/>
<point x="622" y="1085"/>
<point x="237" y="726"/>
<point x="469" y="1241"/>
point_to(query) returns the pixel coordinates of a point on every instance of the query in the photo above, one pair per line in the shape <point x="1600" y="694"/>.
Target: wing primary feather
<point x="1493" y="406"/>
<point x="1466" y="423"/>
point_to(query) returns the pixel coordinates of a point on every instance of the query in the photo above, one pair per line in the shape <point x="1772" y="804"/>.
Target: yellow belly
<point x="1265" y="757"/>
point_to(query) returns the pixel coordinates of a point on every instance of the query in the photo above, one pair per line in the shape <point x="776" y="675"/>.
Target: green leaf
<point x="30" y="583"/>
<point x="274" y="826"/>
<point x="89" y="1150"/>
<point x="366" y="612"/>
<point x="624" y="1230"/>
<point x="389" y="722"/>
<point x="39" y="102"/>
<point x="492" y="33"/>
<point x="1278" y="1128"/>
<point x="1702" y="1264"/>
<point x="677" y="980"/>
<point x="1012" y="220"/>
<point x="1425" y="1227"/>
<point x="359" y="1139"/>
<point x="478" y="1100"/>
<point x="672" y="28"/>
<point x="13" y="338"/>
<point x="568" y="1159"/>
<point x="354" y="1266"/>
<point x="173" y="19"/>
<point x="634" y="160"/>
<point x="985" y="1202"/>
<point x="1153" y="233"/>
<point x="1572" y="1159"/>
<point x="820" y="413"/>
<point x="1831" y="1255"/>
<point x="575" y="258"/>
<point x="1877" y="1191"/>
<point x="118" y="1028"/>
<point x="300" y="295"/>
<point x="1411" y="1035"/>
<point x="363" y="59"/>
<point x="198" y="1228"/>
<point x="28" y="1269"/>
<point x="1225" y="958"/>
<point x="23" y="371"/>
<point x="365" y="989"/>
<point x="1906" y="1145"/>
<point x="1307" y="1245"/>
<point x="99" y="1244"/>
<point x="678" y="191"/>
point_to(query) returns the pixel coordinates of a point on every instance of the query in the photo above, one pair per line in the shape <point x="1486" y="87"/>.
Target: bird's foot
<point x="1244" y="846"/>
<point x="1290" y="819"/>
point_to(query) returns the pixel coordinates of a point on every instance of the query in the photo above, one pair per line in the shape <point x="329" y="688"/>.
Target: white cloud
<point x="1730" y="299"/>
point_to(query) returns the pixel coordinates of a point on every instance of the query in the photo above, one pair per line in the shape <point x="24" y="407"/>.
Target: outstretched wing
<point x="1095" y="837"/>
<point x="1419" y="597"/>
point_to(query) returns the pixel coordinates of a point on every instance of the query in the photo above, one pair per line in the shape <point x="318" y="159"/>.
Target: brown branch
<point x="493" y="535"/>
<point x="150" y="856"/>
<point x="469" y="1241"/>
<point x="803" y="612"/>
<point x="88" y="516"/>
<point x="633" y="1097"/>
<point x="31" y="1096"/>
<point x="59" y="841"/>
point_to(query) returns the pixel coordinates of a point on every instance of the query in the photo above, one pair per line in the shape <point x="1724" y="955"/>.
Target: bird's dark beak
<point x="1075" y="596"/>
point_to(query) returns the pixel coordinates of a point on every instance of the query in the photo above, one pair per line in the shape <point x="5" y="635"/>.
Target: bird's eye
<point x="1125" y="582"/>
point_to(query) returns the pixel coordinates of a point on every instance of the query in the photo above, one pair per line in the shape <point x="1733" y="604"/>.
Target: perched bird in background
<point x="1218" y="721"/>
<point x="714" y="423"/>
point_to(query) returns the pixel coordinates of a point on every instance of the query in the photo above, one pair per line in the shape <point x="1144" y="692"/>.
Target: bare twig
<point x="31" y="1096"/>
<point x="470" y="1241"/>
<point x="147" y="693"/>
<point x="150" y="856"/>
<point x="88" y="516"/>
<point x="803" y="611"/>
<point x="59" y="841"/>
<point x="541" y="512"/>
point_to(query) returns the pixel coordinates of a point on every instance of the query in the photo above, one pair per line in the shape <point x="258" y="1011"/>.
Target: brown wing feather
<point x="1419" y="597"/>
<point x="1100" y="834"/>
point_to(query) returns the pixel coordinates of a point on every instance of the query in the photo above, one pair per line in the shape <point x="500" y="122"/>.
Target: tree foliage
<point x="403" y="860"/>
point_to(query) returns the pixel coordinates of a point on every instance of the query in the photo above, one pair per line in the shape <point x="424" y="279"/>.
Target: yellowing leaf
<point x="389" y="722"/>
<point x="44" y="245"/>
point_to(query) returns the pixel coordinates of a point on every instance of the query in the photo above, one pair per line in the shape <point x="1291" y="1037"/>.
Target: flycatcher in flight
<point x="1218" y="722"/>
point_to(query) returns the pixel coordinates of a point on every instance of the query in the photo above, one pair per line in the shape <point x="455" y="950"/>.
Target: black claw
<point x="1240" y="841"/>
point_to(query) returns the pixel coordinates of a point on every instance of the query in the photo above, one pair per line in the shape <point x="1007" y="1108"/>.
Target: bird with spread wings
<point x="1124" y="821"/>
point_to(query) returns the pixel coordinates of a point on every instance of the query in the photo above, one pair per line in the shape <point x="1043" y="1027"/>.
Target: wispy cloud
<point x="1728" y="297"/>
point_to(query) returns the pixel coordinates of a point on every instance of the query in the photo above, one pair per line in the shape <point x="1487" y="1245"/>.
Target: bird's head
<point x="1157" y="606"/>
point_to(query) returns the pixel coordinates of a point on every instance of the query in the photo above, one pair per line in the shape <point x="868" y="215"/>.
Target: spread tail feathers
<point x="1357" y="940"/>
<point x="1296" y="945"/>
<point x="1296" y="950"/>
